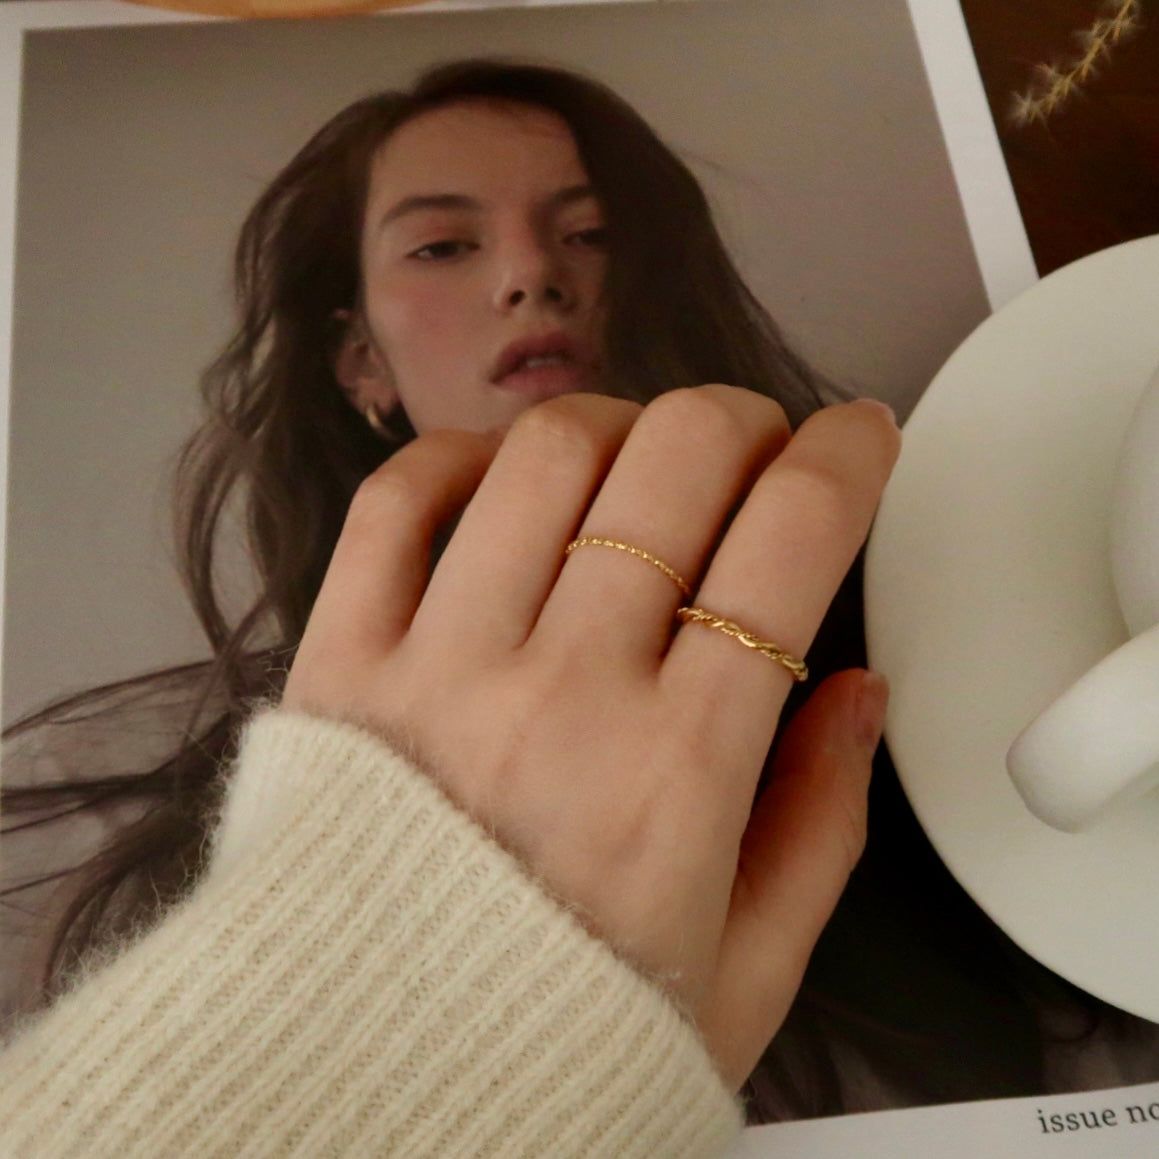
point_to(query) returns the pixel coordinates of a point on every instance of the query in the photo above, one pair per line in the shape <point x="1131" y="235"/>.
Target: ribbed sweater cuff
<point x="363" y="972"/>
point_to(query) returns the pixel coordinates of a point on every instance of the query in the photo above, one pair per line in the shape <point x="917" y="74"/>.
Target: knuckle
<point x="408" y="484"/>
<point x="717" y="416"/>
<point x="573" y="428"/>
<point x="389" y="496"/>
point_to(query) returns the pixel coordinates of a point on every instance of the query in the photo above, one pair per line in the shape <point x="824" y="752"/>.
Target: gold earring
<point x="375" y="421"/>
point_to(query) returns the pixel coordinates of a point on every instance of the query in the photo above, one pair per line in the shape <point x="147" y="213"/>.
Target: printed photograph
<point x="141" y="149"/>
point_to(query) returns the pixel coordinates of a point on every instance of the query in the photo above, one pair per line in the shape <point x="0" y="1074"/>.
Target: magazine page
<point x="856" y="175"/>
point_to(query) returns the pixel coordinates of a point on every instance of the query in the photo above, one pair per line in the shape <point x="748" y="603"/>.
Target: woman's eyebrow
<point x="570" y="195"/>
<point x="420" y="201"/>
<point x="417" y="202"/>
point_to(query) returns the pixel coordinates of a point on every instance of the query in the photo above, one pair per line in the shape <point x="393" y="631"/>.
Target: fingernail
<point x="872" y="699"/>
<point x="884" y="407"/>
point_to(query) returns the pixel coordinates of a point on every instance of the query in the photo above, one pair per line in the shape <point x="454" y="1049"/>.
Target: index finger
<point x="779" y="566"/>
<point x="381" y="563"/>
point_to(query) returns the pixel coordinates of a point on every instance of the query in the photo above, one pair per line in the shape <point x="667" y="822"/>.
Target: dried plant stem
<point x="1054" y="84"/>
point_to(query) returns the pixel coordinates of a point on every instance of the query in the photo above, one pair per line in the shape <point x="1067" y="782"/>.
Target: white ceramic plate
<point x="988" y="591"/>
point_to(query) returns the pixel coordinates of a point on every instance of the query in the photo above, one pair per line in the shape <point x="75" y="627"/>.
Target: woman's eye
<point x="594" y="238"/>
<point x="441" y="250"/>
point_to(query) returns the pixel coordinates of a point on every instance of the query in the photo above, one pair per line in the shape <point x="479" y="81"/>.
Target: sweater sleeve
<point x="361" y="972"/>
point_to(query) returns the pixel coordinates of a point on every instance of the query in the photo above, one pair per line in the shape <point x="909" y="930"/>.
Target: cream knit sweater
<point x="362" y="972"/>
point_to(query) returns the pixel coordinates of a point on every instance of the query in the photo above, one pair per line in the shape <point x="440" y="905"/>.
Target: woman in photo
<point x="278" y="950"/>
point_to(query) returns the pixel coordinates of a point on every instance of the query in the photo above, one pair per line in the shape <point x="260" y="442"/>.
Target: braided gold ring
<point x="691" y="615"/>
<point x="638" y="552"/>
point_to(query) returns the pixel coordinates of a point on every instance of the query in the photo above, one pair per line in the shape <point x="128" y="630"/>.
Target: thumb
<point x="802" y="842"/>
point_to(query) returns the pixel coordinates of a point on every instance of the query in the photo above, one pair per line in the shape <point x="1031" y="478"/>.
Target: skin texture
<point x="554" y="702"/>
<point x="504" y="247"/>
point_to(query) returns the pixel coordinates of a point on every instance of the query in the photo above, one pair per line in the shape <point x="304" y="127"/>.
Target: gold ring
<point x="638" y="552"/>
<point x="767" y="648"/>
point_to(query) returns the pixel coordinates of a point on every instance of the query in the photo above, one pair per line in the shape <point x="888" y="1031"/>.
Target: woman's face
<point x="483" y="255"/>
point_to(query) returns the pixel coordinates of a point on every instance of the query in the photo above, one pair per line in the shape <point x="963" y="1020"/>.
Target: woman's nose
<point x="551" y="293"/>
<point x="531" y="274"/>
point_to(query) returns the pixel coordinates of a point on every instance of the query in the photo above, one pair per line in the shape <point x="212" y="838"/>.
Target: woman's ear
<point x="361" y="368"/>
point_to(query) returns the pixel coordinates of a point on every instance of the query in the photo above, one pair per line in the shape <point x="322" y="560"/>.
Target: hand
<point x="551" y="699"/>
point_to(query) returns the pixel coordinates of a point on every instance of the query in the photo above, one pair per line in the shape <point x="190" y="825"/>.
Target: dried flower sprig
<point x="1054" y="84"/>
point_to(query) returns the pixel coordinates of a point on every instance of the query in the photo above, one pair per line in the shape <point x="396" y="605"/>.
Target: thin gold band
<point x="767" y="648"/>
<point x="638" y="552"/>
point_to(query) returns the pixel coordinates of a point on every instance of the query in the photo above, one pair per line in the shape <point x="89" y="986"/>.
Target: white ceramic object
<point x="1135" y="517"/>
<point x="1098" y="743"/>
<point x="989" y="592"/>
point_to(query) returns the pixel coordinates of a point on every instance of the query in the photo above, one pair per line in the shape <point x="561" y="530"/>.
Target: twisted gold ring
<point x="690" y="615"/>
<point x="638" y="552"/>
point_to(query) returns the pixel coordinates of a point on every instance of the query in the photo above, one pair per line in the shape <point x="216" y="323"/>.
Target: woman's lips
<point x="545" y="377"/>
<point x="543" y="367"/>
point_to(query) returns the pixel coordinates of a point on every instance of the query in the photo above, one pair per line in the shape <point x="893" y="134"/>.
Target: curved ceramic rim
<point x="988" y="591"/>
